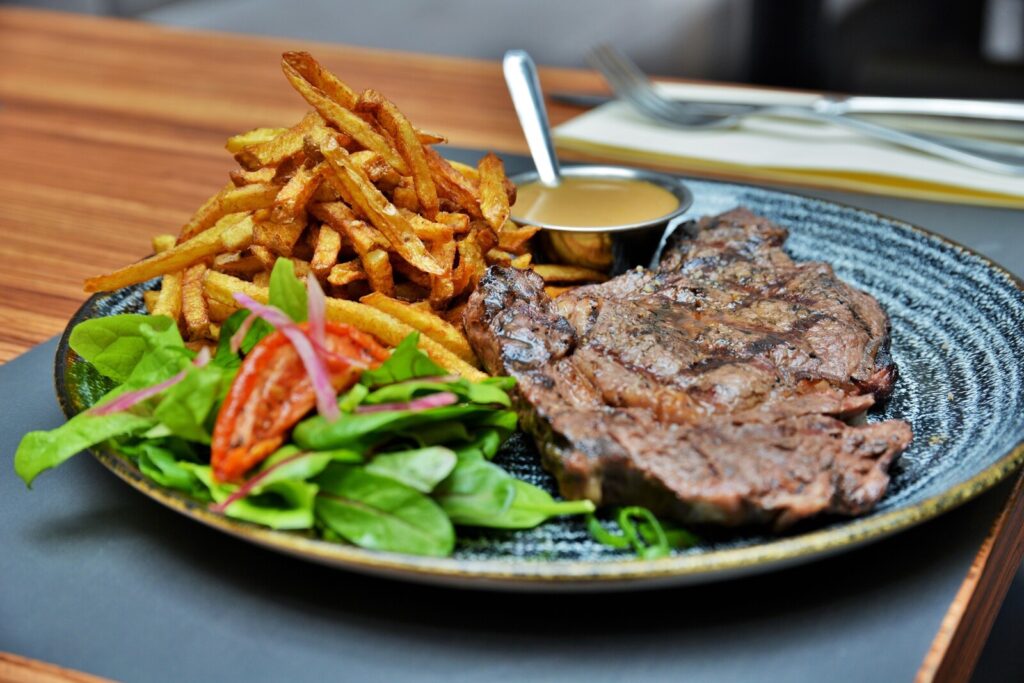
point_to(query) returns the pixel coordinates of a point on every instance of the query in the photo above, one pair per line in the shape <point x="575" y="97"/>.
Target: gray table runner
<point x="95" y="576"/>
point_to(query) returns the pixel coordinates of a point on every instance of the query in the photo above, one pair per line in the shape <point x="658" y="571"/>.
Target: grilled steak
<point x="710" y="389"/>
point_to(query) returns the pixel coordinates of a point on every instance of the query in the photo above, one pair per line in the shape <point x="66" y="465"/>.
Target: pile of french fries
<point x="355" y="194"/>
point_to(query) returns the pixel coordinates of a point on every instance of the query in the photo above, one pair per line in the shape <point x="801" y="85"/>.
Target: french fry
<point x="363" y="238"/>
<point x="149" y="299"/>
<point x="386" y="328"/>
<point x="493" y="200"/>
<point x="273" y="151"/>
<point x="427" y="322"/>
<point x="553" y="272"/>
<point x="555" y="290"/>
<point x="442" y="287"/>
<point x="231" y="233"/>
<point x="459" y="222"/>
<point x="168" y="301"/>
<point x="408" y="144"/>
<point x="514" y="238"/>
<point x="522" y="262"/>
<point x="193" y="303"/>
<point x="499" y="257"/>
<point x="360" y="193"/>
<point x="375" y="168"/>
<point x="471" y="264"/>
<point x="377" y="267"/>
<point x="317" y="76"/>
<point x="405" y="198"/>
<point x="279" y="236"/>
<point x="226" y="202"/>
<point x="256" y="136"/>
<point x="454" y="315"/>
<point x="219" y="312"/>
<point x="428" y="230"/>
<point x="346" y="273"/>
<point x="291" y="201"/>
<point x="233" y="263"/>
<point x="473" y="175"/>
<point x="452" y="185"/>
<point x="325" y="252"/>
<point x="163" y="242"/>
<point x="344" y="119"/>
<point x="261" y="176"/>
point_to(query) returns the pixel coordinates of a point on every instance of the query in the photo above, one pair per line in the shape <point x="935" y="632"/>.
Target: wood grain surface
<point x="112" y="131"/>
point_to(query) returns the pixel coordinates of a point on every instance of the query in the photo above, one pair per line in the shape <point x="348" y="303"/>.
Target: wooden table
<point x="111" y="131"/>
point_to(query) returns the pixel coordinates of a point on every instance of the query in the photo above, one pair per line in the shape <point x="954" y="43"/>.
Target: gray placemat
<point x="97" y="577"/>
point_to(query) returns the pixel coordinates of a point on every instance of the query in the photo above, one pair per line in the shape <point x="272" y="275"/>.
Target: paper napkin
<point x="789" y="151"/>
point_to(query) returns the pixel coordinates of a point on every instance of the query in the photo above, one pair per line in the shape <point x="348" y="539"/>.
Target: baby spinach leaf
<point x="439" y="433"/>
<point x="161" y="465"/>
<point x="532" y="506"/>
<point x="486" y="394"/>
<point x="406" y="362"/>
<point x="360" y="430"/>
<point x="352" y="398"/>
<point x="282" y="504"/>
<point x="475" y="492"/>
<point x="288" y="292"/>
<point x="184" y="408"/>
<point x="225" y="357"/>
<point x="375" y="512"/>
<point x="422" y="469"/>
<point x="40" y="451"/>
<point x="116" y="344"/>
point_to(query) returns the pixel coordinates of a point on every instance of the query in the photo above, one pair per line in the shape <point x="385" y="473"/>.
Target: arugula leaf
<point x="475" y="492"/>
<point x="406" y="362"/>
<point x="287" y="292"/>
<point x="422" y="469"/>
<point x="375" y="512"/>
<point x="116" y="344"/>
<point x="40" y="451"/>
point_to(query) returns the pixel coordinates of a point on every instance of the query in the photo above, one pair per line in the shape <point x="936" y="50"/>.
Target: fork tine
<point x="626" y="85"/>
<point x="641" y="84"/>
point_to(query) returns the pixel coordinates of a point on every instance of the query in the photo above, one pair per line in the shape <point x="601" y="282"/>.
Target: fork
<point x="632" y="85"/>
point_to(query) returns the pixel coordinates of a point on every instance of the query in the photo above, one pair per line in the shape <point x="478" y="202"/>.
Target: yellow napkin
<point x="798" y="152"/>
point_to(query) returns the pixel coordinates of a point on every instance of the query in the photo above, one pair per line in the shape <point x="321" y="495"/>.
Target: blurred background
<point x="952" y="48"/>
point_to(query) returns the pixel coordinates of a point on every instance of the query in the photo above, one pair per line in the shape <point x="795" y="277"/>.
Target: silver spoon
<point x="524" y="87"/>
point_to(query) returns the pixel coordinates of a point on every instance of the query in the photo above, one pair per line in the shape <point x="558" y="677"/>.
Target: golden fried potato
<point x="193" y="303"/>
<point x="452" y="185"/>
<point x="427" y="322"/>
<point x="344" y="119"/>
<point x="493" y="200"/>
<point x="346" y="273"/>
<point x="552" y="272"/>
<point x="230" y="233"/>
<point x="256" y="136"/>
<point x="388" y="329"/>
<point x="377" y="267"/>
<point x="325" y="252"/>
<point x="360" y="193"/>
<point x="230" y="200"/>
<point x="514" y="238"/>
<point x="149" y="299"/>
<point x="409" y="146"/>
<point x="275" y="150"/>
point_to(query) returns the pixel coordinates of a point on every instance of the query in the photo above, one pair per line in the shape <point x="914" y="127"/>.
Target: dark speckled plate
<point x="957" y="336"/>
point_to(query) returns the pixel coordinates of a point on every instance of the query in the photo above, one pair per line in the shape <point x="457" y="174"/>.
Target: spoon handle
<point x="524" y="87"/>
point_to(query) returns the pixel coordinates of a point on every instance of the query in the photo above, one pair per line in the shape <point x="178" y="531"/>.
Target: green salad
<point x="395" y="456"/>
